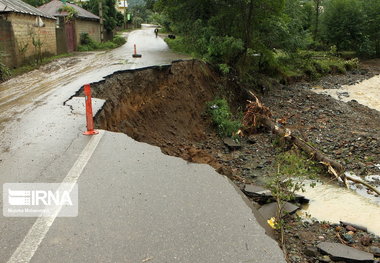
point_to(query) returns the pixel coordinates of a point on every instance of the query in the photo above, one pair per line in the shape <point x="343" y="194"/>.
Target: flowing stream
<point x="332" y="203"/>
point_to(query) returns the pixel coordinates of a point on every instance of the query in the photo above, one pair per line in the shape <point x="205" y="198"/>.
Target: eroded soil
<point x="165" y="106"/>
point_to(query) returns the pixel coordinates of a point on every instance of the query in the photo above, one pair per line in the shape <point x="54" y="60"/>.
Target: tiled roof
<point x="18" y="6"/>
<point x="52" y="8"/>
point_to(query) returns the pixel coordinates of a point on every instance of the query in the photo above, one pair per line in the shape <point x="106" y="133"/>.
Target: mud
<point x="162" y="106"/>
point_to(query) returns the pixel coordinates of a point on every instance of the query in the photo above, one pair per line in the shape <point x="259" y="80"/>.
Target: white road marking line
<point x="31" y="242"/>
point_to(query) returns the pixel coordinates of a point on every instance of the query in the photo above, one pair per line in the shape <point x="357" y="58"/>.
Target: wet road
<point x="30" y="90"/>
<point x="136" y="204"/>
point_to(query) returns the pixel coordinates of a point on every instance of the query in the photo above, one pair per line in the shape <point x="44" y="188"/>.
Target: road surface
<point x="135" y="203"/>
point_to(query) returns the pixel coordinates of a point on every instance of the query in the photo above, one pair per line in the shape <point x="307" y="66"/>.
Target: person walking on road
<point x="156" y="32"/>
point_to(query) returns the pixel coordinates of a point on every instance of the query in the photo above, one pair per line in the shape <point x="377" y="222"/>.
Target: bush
<point x="221" y="116"/>
<point x="85" y="39"/>
<point x="119" y="41"/>
<point x="351" y="64"/>
<point x="88" y="44"/>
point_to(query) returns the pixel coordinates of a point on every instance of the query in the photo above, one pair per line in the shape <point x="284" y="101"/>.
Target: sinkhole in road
<point x="164" y="106"/>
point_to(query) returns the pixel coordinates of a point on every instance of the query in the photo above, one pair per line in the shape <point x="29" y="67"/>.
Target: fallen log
<point x="258" y="115"/>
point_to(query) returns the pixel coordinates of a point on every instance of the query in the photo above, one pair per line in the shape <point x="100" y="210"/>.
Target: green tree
<point x="371" y="45"/>
<point x="344" y="23"/>
<point x="212" y="27"/>
<point x="109" y="12"/>
<point x="36" y="3"/>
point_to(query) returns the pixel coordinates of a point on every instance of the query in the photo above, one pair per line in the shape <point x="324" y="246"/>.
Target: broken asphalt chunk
<point x="375" y="251"/>
<point x="264" y="196"/>
<point x="338" y="251"/>
<point x="258" y="194"/>
<point x="231" y="143"/>
<point x="270" y="210"/>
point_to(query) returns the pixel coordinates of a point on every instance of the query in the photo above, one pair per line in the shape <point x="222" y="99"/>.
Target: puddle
<point x="333" y="204"/>
<point x="366" y="92"/>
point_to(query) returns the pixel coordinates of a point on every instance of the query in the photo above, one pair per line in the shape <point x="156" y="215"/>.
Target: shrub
<point x="221" y="116"/>
<point x="119" y="41"/>
<point x="88" y="44"/>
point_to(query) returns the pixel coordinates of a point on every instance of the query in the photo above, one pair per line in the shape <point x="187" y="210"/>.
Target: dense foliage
<point x="36" y="3"/>
<point x="110" y="14"/>
<point x="353" y="25"/>
<point x="264" y="36"/>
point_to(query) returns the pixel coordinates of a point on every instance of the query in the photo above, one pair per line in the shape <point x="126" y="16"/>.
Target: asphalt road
<point x="135" y="203"/>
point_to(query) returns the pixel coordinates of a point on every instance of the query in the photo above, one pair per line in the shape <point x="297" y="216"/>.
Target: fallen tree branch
<point x="358" y="181"/>
<point x="259" y="115"/>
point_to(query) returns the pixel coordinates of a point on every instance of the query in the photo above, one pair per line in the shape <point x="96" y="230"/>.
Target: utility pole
<point x="101" y="21"/>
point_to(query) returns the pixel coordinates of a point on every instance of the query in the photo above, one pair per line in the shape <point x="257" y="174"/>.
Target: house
<point x="121" y="6"/>
<point x="72" y="21"/>
<point x="25" y="33"/>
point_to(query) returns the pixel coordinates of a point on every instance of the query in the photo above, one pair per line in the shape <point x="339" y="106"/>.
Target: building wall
<point x="8" y="56"/>
<point x="87" y="26"/>
<point x="24" y="30"/>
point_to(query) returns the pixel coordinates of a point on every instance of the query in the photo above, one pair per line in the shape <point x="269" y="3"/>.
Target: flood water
<point x="333" y="203"/>
<point x="366" y="92"/>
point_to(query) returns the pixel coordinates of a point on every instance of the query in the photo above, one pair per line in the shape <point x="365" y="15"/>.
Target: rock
<point x="354" y="225"/>
<point x="350" y="228"/>
<point x="375" y="250"/>
<point x="231" y="143"/>
<point x="338" y="228"/>
<point x="270" y="210"/>
<point x="251" y="140"/>
<point x="256" y="190"/>
<point x="342" y="252"/>
<point x="324" y="258"/>
<point x="311" y="252"/>
<point x="348" y="237"/>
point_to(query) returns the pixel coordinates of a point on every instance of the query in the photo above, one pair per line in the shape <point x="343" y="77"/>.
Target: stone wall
<point x="87" y="26"/>
<point x="24" y="30"/>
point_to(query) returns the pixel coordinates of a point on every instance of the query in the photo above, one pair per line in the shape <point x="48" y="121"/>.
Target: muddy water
<point x="333" y="204"/>
<point x="366" y="92"/>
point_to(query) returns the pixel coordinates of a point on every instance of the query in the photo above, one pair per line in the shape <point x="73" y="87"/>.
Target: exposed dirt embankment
<point x="165" y="106"/>
<point x="162" y="106"/>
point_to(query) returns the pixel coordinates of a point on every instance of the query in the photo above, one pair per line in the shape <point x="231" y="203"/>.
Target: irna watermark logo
<point x="35" y="200"/>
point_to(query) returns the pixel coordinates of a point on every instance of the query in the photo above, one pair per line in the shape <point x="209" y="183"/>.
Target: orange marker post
<point x="135" y="55"/>
<point x="89" y="118"/>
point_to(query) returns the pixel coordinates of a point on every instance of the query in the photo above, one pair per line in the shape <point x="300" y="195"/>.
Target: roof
<point x="18" y="6"/>
<point x="52" y="8"/>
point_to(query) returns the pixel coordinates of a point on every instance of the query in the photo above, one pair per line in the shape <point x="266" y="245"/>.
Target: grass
<point x="311" y="64"/>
